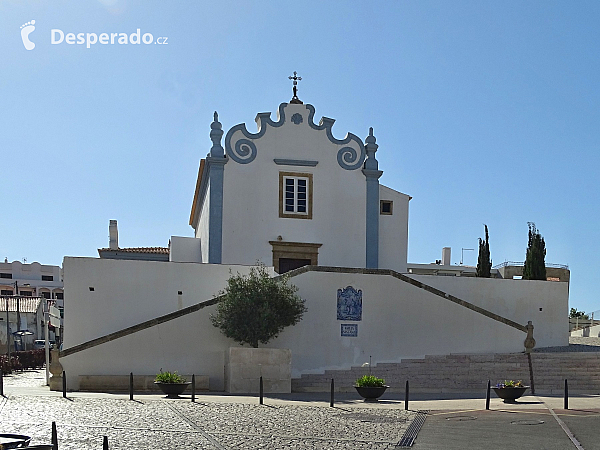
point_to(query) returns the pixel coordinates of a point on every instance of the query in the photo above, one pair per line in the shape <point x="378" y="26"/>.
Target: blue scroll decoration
<point x="349" y="304"/>
<point x="243" y="150"/>
<point x="348" y="157"/>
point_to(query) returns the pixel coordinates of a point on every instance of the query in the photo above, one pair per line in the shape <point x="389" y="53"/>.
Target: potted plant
<point x="171" y="383"/>
<point x="370" y="387"/>
<point x="510" y="390"/>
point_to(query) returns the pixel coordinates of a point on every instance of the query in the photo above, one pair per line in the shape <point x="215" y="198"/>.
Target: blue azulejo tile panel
<point x="349" y="304"/>
<point x="349" y="330"/>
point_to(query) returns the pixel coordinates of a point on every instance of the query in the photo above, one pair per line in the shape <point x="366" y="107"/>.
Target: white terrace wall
<point x="545" y="303"/>
<point x="189" y="344"/>
<point x="130" y="292"/>
<point x="398" y="321"/>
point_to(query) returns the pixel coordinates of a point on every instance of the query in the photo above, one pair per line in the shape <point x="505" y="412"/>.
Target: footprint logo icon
<point x="26" y="30"/>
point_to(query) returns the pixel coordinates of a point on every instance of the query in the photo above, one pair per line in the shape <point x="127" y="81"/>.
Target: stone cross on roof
<point x="295" y="79"/>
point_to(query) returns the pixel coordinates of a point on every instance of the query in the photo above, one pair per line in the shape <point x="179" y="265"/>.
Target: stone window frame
<point x="309" y="197"/>
<point x="385" y="213"/>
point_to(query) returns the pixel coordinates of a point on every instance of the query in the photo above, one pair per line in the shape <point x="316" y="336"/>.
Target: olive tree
<point x="256" y="307"/>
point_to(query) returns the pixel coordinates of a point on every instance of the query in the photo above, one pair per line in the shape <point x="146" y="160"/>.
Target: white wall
<point x="593" y="331"/>
<point x="518" y="300"/>
<point x="251" y="198"/>
<point x="393" y="231"/>
<point x="189" y="345"/>
<point x="399" y="320"/>
<point x="185" y="249"/>
<point x="202" y="230"/>
<point x="129" y="292"/>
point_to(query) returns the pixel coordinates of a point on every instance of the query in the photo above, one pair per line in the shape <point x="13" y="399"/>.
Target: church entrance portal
<point x="287" y="264"/>
<point x="292" y="255"/>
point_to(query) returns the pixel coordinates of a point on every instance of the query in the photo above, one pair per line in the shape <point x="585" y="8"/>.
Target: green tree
<point x="574" y="313"/>
<point x="484" y="262"/>
<point x="535" y="264"/>
<point x="256" y="307"/>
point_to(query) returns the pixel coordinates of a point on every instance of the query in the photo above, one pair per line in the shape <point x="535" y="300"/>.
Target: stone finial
<point x="371" y="147"/>
<point x="529" y="340"/>
<point x="216" y="133"/>
<point x="56" y="369"/>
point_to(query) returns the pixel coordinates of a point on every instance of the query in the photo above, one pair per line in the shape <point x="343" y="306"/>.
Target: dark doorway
<point x="287" y="264"/>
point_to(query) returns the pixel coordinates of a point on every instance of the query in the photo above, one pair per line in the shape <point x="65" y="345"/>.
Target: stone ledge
<point x="120" y="383"/>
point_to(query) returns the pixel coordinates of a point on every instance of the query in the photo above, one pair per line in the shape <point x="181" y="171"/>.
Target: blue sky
<point x="484" y="112"/>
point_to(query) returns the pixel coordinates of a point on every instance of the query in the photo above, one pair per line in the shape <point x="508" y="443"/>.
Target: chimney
<point x="113" y="242"/>
<point x="445" y="256"/>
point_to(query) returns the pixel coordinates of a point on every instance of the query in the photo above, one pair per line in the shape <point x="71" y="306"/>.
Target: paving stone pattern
<point x="175" y="424"/>
<point x="26" y="378"/>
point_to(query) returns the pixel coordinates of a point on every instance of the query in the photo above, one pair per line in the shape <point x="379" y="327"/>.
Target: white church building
<point x="296" y="198"/>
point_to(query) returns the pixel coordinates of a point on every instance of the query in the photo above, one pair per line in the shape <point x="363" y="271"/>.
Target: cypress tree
<point x="484" y="263"/>
<point x="535" y="264"/>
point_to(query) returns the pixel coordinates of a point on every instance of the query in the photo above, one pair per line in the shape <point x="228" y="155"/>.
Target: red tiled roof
<point x="26" y="304"/>
<point x="155" y="250"/>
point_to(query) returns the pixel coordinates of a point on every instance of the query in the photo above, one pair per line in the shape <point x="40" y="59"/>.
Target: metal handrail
<point x="521" y="264"/>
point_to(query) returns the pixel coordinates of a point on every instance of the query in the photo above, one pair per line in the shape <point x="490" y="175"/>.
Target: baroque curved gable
<point x="242" y="146"/>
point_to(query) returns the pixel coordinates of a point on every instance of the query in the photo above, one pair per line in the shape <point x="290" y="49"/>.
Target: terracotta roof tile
<point x="155" y="250"/>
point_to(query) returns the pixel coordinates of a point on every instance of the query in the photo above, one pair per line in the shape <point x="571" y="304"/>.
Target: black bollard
<point x="332" y="390"/>
<point x="193" y="388"/>
<point x="261" y="390"/>
<point x="130" y="385"/>
<point x="566" y="405"/>
<point x="487" y="396"/>
<point x="64" y="384"/>
<point x="105" y="443"/>
<point x="54" y="436"/>
<point x="406" y="396"/>
<point x="1" y="384"/>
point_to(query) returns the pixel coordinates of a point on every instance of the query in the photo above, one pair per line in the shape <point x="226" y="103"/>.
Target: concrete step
<point x="469" y="373"/>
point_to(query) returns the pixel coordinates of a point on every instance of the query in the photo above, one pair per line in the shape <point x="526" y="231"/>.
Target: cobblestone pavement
<point x="27" y="378"/>
<point x="173" y="424"/>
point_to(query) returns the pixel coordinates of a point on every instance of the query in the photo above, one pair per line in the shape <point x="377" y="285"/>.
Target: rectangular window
<point x="295" y="195"/>
<point x="46" y="294"/>
<point x="6" y="275"/>
<point x="59" y="296"/>
<point x="386" y="207"/>
<point x="26" y="293"/>
<point x="6" y="292"/>
<point x="47" y="277"/>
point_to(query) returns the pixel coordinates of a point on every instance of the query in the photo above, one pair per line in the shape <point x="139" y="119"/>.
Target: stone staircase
<point x="432" y="374"/>
<point x="469" y="373"/>
<point x="581" y="369"/>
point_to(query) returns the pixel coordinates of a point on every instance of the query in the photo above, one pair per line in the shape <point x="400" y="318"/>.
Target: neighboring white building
<point x="29" y="311"/>
<point x="507" y="270"/>
<point x="32" y="280"/>
<point x="292" y="195"/>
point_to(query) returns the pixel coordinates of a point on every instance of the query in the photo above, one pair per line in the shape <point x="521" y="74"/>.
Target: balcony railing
<point x="521" y="264"/>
